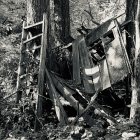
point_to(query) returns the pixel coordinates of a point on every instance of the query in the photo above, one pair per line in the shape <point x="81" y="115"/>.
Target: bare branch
<point x="90" y="14"/>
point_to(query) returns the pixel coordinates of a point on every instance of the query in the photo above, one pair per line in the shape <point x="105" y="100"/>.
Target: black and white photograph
<point x="69" y="69"/>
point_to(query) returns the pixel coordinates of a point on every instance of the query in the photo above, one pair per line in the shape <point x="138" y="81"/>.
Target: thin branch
<point x="9" y="96"/>
<point x="4" y="21"/>
<point x="90" y="14"/>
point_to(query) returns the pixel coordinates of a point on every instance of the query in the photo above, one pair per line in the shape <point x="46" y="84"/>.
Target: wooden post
<point x="76" y="61"/>
<point x="41" y="74"/>
<point x="105" y="73"/>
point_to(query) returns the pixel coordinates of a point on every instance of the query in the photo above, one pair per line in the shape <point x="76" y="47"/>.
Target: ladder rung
<point x="28" y="40"/>
<point x="31" y="26"/>
<point x="36" y="47"/>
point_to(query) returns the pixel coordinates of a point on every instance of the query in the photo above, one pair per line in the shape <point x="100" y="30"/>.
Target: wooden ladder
<point x="21" y="84"/>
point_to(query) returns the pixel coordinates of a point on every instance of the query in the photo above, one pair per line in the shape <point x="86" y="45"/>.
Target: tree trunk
<point x="61" y="21"/>
<point x="60" y="31"/>
<point x="35" y="10"/>
<point x="133" y="13"/>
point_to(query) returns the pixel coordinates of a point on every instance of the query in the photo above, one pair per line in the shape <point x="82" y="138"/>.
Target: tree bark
<point x="61" y="21"/>
<point x="35" y="10"/>
<point x="133" y="13"/>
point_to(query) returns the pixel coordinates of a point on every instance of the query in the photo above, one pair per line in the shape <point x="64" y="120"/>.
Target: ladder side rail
<point x="22" y="67"/>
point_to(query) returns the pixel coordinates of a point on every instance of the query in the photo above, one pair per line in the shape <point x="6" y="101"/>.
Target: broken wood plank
<point x="94" y="72"/>
<point x="85" y="110"/>
<point x="103" y="112"/>
<point x="104" y="69"/>
<point x="73" y="89"/>
<point x="100" y="42"/>
<point x="105" y="75"/>
<point x="97" y="78"/>
<point x="60" y="112"/>
<point x="85" y="64"/>
<point x="76" y="61"/>
<point x="99" y="31"/>
<point x="68" y="95"/>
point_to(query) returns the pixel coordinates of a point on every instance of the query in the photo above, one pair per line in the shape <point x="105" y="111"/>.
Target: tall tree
<point x="60" y="31"/>
<point x="133" y="13"/>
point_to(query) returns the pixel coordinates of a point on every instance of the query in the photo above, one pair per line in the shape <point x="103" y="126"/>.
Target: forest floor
<point x="18" y="125"/>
